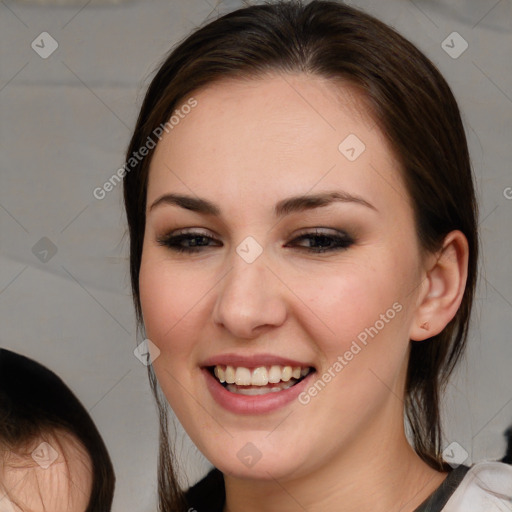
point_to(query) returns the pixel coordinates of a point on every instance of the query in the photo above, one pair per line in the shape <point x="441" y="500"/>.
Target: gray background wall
<point x="65" y="124"/>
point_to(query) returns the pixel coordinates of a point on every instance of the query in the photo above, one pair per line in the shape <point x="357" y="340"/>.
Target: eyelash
<point x="342" y="241"/>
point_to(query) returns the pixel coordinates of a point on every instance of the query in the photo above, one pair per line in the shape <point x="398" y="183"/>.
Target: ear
<point x="442" y="288"/>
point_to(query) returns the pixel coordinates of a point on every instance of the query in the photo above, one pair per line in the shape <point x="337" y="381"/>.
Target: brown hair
<point x="411" y="103"/>
<point x="36" y="404"/>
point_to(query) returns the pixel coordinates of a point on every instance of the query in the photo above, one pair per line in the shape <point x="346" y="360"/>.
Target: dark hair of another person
<point x="415" y="110"/>
<point x="35" y="401"/>
<point x="507" y="458"/>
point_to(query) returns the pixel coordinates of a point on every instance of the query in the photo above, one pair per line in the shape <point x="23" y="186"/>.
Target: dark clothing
<point x="208" y="494"/>
<point x="437" y="500"/>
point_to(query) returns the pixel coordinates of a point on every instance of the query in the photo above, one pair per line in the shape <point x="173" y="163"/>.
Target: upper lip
<point x="252" y="361"/>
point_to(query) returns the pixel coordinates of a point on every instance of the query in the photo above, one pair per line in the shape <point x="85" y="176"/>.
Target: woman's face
<point x="330" y="283"/>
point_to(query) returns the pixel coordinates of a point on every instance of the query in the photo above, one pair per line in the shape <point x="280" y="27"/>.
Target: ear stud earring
<point x="425" y="326"/>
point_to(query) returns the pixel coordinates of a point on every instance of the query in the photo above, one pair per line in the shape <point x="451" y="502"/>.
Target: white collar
<point x="486" y="487"/>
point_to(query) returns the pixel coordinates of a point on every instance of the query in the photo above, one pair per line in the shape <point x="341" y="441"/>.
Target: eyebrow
<point x="282" y="208"/>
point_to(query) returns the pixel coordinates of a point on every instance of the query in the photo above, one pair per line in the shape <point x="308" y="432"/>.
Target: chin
<point x="249" y="459"/>
<point x="269" y="470"/>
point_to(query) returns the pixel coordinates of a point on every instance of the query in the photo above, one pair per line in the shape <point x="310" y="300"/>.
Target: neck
<point x="372" y="475"/>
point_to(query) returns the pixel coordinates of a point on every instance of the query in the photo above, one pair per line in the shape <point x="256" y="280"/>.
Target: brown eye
<point x="186" y="242"/>
<point x="324" y="241"/>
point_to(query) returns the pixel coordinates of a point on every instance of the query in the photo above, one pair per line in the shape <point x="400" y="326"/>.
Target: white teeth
<point x="287" y="373"/>
<point x="220" y="373"/>
<point x="260" y="376"/>
<point x="274" y="374"/>
<point x="243" y="376"/>
<point x="230" y="375"/>
<point x="259" y="391"/>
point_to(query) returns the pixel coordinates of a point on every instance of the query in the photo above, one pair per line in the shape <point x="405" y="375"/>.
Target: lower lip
<point x="259" y="404"/>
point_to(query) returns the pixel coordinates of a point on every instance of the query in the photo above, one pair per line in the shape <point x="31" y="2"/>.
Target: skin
<point x="64" y="486"/>
<point x="246" y="146"/>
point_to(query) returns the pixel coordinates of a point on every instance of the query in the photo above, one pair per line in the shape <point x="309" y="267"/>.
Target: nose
<point x="250" y="299"/>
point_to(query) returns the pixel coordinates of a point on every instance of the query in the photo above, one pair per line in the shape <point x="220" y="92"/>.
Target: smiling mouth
<point x="259" y="381"/>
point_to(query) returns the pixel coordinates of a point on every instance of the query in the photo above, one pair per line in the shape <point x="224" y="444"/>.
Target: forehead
<point x="63" y="445"/>
<point x="54" y="465"/>
<point x="271" y="136"/>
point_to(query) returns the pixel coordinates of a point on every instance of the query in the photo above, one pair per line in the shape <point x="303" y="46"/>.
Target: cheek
<point x="175" y="305"/>
<point x="360" y="322"/>
<point x="168" y="297"/>
<point x="344" y="302"/>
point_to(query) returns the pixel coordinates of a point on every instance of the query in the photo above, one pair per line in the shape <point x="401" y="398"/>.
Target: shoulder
<point x="486" y="487"/>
